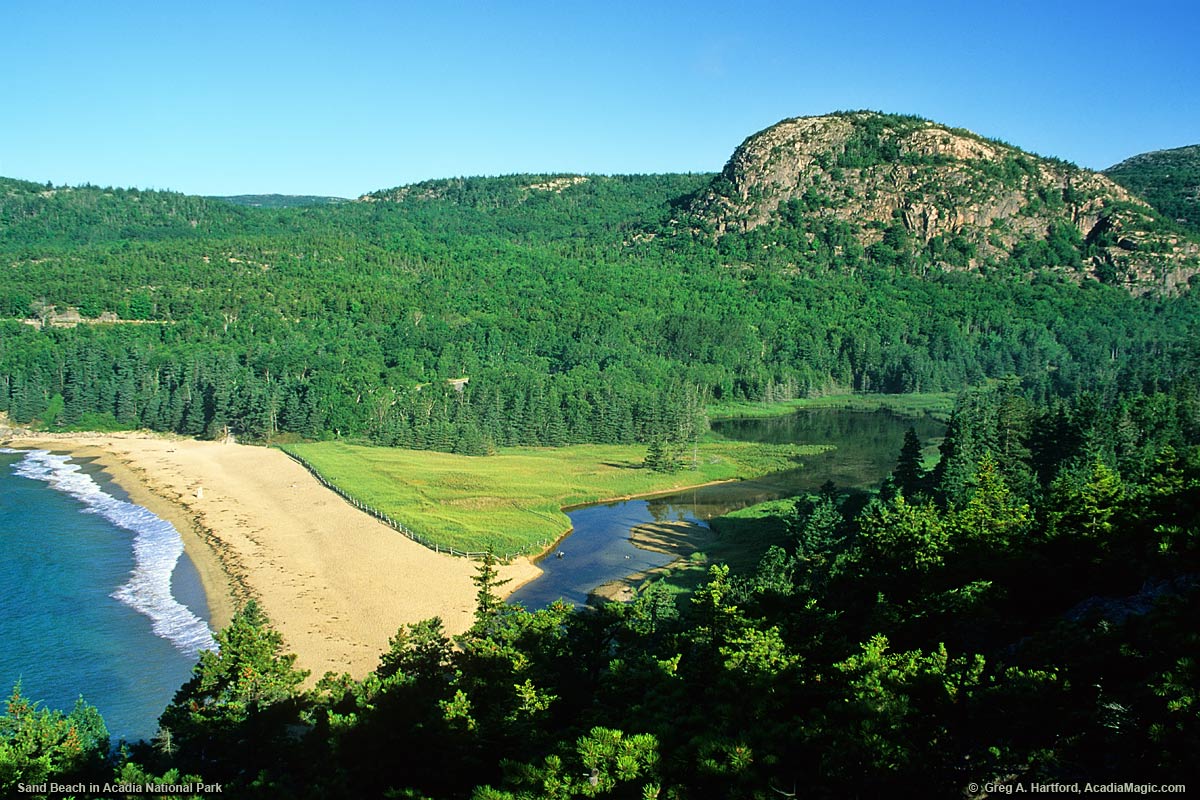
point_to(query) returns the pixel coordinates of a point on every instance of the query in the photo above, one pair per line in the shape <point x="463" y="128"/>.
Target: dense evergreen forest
<point x="1022" y="613"/>
<point x="1169" y="179"/>
<point x="578" y="309"/>
<point x="280" y="200"/>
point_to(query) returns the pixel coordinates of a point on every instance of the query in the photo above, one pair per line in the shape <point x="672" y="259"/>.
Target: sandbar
<point x="335" y="582"/>
<point x="677" y="538"/>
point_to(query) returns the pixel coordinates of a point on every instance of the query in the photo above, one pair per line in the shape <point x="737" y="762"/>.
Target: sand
<point x="676" y="538"/>
<point x="335" y="582"/>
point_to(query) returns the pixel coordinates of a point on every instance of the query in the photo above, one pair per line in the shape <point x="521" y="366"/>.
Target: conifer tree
<point x="909" y="476"/>
<point x="1085" y="503"/>
<point x="38" y="743"/>
<point x="488" y="603"/>
<point x="820" y="532"/>
<point x="245" y="688"/>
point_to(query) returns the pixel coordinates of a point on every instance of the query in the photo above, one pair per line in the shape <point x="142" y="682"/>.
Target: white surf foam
<point x="157" y="547"/>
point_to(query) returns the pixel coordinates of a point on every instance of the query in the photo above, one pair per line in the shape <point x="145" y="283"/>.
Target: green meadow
<point x="511" y="502"/>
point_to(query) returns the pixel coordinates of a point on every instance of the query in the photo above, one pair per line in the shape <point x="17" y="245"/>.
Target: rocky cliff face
<point x="963" y="201"/>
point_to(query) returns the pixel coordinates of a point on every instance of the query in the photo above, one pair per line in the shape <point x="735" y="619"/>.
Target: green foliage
<point x="1168" y="179"/>
<point x="576" y="314"/>
<point x="1062" y="247"/>
<point x="38" y="744"/>
<point x="936" y="405"/>
<point x="994" y="520"/>
<point x="1179" y="690"/>
<point x="652" y="610"/>
<point x="898" y="708"/>
<point x="32" y="215"/>
<point x="669" y="457"/>
<point x="419" y="652"/>
<point x="903" y="540"/>
<point x="605" y="763"/>
<point x="487" y="602"/>
<point x="247" y="687"/>
<point x="992" y="422"/>
<point x="280" y="200"/>
<point x="818" y="529"/>
<point x="1084" y="504"/>
<point x="909" y="476"/>
<point x="1042" y="632"/>
<point x="1034" y="617"/>
<point x="875" y="139"/>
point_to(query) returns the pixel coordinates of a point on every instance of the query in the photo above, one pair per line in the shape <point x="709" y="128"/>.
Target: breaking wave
<point x="157" y="547"/>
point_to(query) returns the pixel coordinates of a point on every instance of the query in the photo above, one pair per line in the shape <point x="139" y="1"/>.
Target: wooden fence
<point x="399" y="526"/>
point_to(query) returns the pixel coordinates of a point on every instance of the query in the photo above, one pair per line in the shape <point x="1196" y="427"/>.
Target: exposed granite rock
<point x="871" y="171"/>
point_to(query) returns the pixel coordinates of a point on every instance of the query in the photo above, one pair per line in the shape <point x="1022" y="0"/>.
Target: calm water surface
<point x="598" y="549"/>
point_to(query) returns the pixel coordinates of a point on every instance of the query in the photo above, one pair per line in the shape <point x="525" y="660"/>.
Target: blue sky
<point x="345" y="97"/>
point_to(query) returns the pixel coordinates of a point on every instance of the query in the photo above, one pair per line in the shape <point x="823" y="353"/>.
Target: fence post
<point x="356" y="503"/>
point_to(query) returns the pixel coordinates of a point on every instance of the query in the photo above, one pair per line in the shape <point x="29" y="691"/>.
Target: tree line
<point x="580" y="314"/>
<point x="1023" y="611"/>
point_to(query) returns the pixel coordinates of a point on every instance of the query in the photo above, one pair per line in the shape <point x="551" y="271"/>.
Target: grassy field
<point x="937" y="404"/>
<point x="512" y="502"/>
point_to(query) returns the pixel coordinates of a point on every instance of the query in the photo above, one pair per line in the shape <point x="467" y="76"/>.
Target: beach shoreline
<point x="220" y="593"/>
<point x="335" y="582"/>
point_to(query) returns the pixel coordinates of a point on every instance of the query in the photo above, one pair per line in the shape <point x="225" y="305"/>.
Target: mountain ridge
<point x="279" y="200"/>
<point x="898" y="191"/>
<point x="1168" y="179"/>
<point x="968" y="202"/>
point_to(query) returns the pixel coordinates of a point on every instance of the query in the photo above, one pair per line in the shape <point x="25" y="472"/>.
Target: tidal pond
<point x="599" y="549"/>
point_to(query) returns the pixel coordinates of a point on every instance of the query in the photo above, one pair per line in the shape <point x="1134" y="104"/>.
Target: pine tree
<point x="903" y="540"/>
<point x="909" y="476"/>
<point x="820" y="532"/>
<point x="38" y="743"/>
<point x="1086" y="503"/>
<point x="994" y="519"/>
<point x="655" y="456"/>
<point x="248" y="684"/>
<point x="488" y="603"/>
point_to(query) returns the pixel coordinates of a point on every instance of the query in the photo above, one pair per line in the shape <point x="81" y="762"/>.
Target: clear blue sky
<point x="346" y="96"/>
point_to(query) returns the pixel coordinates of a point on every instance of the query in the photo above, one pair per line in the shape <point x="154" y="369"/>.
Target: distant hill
<point x="1168" y="179"/>
<point x="32" y="213"/>
<point x="904" y="189"/>
<point x="479" y="191"/>
<point x="857" y="251"/>
<point x="280" y="200"/>
<point x="540" y="206"/>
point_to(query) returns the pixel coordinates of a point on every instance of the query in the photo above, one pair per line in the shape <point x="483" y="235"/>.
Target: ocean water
<point x="90" y="595"/>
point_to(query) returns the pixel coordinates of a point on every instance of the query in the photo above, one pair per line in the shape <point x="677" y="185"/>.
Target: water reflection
<point x="599" y="549"/>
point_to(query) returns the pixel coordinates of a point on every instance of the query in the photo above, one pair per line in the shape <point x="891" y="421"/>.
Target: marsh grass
<point x="512" y="502"/>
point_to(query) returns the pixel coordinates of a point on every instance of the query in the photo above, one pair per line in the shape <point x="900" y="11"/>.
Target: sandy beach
<point x="335" y="582"/>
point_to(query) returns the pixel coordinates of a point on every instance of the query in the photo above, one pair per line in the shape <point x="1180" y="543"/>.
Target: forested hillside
<point x="280" y="200"/>
<point x="36" y="218"/>
<point x="1169" y="179"/>
<point x="1024" y="611"/>
<point x="469" y="313"/>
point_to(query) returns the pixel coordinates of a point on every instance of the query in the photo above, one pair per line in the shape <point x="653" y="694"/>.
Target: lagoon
<point x="599" y="548"/>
